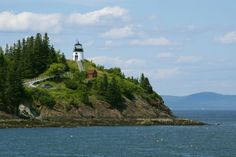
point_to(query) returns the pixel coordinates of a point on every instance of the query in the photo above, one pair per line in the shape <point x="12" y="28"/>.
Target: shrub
<point x="84" y="97"/>
<point x="116" y="71"/>
<point x="47" y="100"/>
<point x="80" y="76"/>
<point x="43" y="97"/>
<point x="56" y="68"/>
<point x="71" y="84"/>
<point x="128" y="93"/>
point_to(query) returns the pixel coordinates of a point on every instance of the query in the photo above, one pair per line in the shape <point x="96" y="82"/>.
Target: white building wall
<point x="78" y="56"/>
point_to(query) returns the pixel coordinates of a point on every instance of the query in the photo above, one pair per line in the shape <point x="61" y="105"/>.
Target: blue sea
<point x="215" y="140"/>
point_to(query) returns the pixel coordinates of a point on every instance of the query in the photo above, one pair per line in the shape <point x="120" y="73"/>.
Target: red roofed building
<point x="92" y="73"/>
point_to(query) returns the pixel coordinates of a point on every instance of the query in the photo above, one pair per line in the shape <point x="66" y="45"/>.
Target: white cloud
<point x="152" y="42"/>
<point x="99" y="16"/>
<point x="165" y="73"/>
<point x="188" y="59"/>
<point x="117" y="61"/>
<point x="228" y="38"/>
<point x="28" y="21"/>
<point x="118" y="33"/>
<point x="164" y="55"/>
<point x="111" y="43"/>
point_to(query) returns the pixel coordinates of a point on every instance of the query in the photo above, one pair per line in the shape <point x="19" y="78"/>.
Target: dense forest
<point x="25" y="59"/>
<point x="34" y="56"/>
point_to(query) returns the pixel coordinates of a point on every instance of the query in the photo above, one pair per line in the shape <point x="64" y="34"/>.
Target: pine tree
<point x="53" y="55"/>
<point x="3" y="72"/>
<point x="103" y="85"/>
<point x="1" y="50"/>
<point x="36" y="55"/>
<point x="148" y="86"/>
<point x="145" y="84"/>
<point x="19" y="56"/>
<point x="113" y="94"/>
<point x="15" y="90"/>
<point x="46" y="49"/>
<point x="63" y="61"/>
<point x="142" y="78"/>
<point x="28" y="58"/>
<point x="7" y="48"/>
<point x="39" y="60"/>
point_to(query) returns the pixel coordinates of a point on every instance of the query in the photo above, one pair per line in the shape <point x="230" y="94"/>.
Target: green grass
<point x="68" y="97"/>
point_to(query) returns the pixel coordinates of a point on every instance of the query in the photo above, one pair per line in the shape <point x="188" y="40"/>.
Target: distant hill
<point x="201" y="101"/>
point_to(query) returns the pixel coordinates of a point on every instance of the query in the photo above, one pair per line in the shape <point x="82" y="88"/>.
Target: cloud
<point x="188" y="59"/>
<point x="111" y="43"/>
<point x="228" y="38"/>
<point x="152" y="42"/>
<point x="28" y="21"/>
<point x="117" y="61"/>
<point x="165" y="73"/>
<point x="118" y="33"/>
<point x="164" y="55"/>
<point x="105" y="15"/>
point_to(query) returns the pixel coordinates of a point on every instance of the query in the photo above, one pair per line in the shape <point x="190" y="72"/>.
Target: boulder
<point x="25" y="112"/>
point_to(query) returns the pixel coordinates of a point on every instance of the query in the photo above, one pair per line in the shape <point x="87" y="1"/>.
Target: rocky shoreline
<point x="73" y="123"/>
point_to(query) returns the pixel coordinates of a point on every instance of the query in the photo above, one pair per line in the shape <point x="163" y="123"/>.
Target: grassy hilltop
<point x="110" y="91"/>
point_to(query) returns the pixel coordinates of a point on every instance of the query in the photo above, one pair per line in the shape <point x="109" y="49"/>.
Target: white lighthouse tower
<point x="78" y="55"/>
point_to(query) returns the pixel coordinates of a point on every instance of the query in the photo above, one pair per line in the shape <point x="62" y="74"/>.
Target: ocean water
<point x="215" y="140"/>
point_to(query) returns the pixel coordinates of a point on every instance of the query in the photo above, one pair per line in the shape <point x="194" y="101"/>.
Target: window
<point x="78" y="47"/>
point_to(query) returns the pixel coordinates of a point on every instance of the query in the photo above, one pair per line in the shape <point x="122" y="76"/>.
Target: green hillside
<point x="73" y="88"/>
<point x="67" y="91"/>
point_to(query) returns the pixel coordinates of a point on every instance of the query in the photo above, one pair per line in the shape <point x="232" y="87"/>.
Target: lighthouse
<point x="78" y="55"/>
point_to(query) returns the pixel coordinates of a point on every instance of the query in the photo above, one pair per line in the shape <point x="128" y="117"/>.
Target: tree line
<point x="27" y="58"/>
<point x="112" y="91"/>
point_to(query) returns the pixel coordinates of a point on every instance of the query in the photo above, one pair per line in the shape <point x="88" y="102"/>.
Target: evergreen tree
<point x="46" y="48"/>
<point x="15" y="90"/>
<point x="142" y="78"/>
<point x="63" y="61"/>
<point x="28" y="58"/>
<point x="39" y="57"/>
<point x="7" y="48"/>
<point x="53" y="55"/>
<point x="103" y="85"/>
<point x="1" y="50"/>
<point x="19" y="56"/>
<point x="145" y="84"/>
<point x="36" y="55"/>
<point x="113" y="94"/>
<point x="3" y="72"/>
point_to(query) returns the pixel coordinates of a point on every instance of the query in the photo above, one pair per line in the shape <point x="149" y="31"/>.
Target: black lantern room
<point x="78" y="47"/>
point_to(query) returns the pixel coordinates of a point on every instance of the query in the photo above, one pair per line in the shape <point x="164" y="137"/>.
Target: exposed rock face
<point x="138" y="108"/>
<point x="4" y="115"/>
<point x="25" y="112"/>
<point x="137" y="112"/>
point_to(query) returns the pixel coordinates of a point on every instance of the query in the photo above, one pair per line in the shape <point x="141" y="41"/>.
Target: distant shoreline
<point x="73" y="123"/>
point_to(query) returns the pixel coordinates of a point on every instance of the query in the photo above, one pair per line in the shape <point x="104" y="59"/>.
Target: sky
<point x="183" y="46"/>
